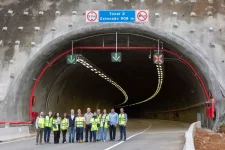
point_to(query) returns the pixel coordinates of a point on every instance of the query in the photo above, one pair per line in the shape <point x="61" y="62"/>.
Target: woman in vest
<point x="94" y="126"/>
<point x="59" y="124"/>
<point x="80" y="125"/>
<point x="64" y="127"/>
<point x="104" y="124"/>
<point x="55" y="128"/>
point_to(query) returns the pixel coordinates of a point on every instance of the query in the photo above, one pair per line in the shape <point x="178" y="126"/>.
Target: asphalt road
<point x="141" y="135"/>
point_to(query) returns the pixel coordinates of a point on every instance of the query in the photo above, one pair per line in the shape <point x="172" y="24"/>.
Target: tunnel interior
<point x="64" y="86"/>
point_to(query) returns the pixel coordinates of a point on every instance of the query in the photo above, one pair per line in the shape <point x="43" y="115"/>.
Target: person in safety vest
<point x="59" y="125"/>
<point x="40" y="124"/>
<point x="79" y="125"/>
<point x="99" y="130"/>
<point x="48" y="127"/>
<point x="104" y="124"/>
<point x="94" y="126"/>
<point x="55" y="129"/>
<point x="122" y="124"/>
<point x="64" y="127"/>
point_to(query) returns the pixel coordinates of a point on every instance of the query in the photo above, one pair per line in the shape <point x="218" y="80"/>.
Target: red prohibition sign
<point x="142" y="16"/>
<point x="92" y="17"/>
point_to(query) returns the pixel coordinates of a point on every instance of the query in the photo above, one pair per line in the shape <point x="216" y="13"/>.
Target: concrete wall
<point x="189" y="136"/>
<point x="13" y="133"/>
<point x="188" y="116"/>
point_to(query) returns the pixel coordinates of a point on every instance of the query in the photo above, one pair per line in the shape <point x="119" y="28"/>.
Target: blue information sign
<point x="116" y="16"/>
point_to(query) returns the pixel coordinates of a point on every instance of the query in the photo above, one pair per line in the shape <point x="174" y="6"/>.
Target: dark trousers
<point x="88" y="129"/>
<point x="71" y="134"/>
<point x="79" y="133"/>
<point x="112" y="132"/>
<point x="64" y="135"/>
<point x="94" y="134"/>
<point x="122" y="132"/>
<point x="39" y="134"/>
<point x="57" y="135"/>
<point x="47" y="132"/>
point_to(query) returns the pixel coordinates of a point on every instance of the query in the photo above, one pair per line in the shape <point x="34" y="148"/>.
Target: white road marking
<point x="128" y="138"/>
<point x="17" y="140"/>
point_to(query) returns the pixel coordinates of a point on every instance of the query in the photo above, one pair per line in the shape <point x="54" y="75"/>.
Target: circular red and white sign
<point x="142" y="16"/>
<point x="92" y="16"/>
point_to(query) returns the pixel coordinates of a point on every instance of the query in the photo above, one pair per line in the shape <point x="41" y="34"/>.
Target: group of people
<point x="94" y="124"/>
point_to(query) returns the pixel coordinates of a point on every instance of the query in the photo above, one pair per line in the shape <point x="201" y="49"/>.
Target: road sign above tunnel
<point x="116" y="56"/>
<point x="92" y="15"/>
<point x="71" y="59"/>
<point x="117" y="16"/>
<point x="158" y="59"/>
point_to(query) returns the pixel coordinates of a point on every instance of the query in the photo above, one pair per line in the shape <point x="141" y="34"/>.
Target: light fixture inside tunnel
<point x="160" y="81"/>
<point x="85" y="62"/>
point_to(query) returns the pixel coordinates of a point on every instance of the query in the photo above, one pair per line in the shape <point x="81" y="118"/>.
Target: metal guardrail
<point x="15" y="123"/>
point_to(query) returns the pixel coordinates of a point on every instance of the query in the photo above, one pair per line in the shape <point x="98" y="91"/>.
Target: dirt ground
<point x="205" y="140"/>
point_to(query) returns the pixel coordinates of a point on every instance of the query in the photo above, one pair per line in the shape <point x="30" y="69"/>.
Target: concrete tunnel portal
<point x="64" y="86"/>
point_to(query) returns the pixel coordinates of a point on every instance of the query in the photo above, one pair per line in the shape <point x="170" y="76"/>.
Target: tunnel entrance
<point x="139" y="76"/>
<point x="77" y="87"/>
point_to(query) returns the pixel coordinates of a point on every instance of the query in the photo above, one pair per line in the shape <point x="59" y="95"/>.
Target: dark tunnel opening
<point x="64" y="86"/>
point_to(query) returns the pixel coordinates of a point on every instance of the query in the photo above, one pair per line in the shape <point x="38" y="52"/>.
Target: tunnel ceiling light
<point x="160" y="81"/>
<point x="85" y="62"/>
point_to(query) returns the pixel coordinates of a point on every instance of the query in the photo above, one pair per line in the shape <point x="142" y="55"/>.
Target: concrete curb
<point x="189" y="136"/>
<point x="13" y="133"/>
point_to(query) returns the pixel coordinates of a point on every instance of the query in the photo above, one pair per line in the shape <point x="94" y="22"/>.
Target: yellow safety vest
<point x="64" y="124"/>
<point x="48" y="121"/>
<point x="79" y="121"/>
<point x="104" y="124"/>
<point x="55" y="125"/>
<point x="41" y="122"/>
<point x="99" y="118"/>
<point x="94" y="122"/>
<point x="122" y="119"/>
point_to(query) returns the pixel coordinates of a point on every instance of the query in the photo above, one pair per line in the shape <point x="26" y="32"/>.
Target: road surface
<point x="141" y="135"/>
